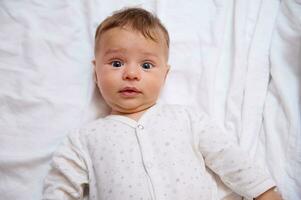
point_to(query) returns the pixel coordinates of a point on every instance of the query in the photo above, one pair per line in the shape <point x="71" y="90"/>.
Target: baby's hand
<point x="270" y="194"/>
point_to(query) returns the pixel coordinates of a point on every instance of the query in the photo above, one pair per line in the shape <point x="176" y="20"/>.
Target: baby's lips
<point x="130" y="89"/>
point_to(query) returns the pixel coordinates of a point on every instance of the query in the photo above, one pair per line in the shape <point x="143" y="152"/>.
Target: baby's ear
<point x="168" y="66"/>
<point x="94" y="63"/>
<point x="167" y="71"/>
<point x="94" y="71"/>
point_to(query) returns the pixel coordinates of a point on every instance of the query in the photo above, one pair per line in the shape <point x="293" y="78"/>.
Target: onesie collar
<point x="131" y="122"/>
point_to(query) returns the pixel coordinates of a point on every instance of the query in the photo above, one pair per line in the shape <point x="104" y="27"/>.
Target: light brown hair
<point x="138" y="19"/>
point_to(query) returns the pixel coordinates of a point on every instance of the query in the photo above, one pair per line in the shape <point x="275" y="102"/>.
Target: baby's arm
<point x="223" y="156"/>
<point x="68" y="175"/>
<point x="271" y="194"/>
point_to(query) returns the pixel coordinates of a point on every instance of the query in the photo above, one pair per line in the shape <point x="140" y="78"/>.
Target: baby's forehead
<point x="155" y="36"/>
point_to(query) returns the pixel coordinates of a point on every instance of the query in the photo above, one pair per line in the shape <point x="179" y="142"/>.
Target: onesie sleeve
<point x="68" y="175"/>
<point x="224" y="157"/>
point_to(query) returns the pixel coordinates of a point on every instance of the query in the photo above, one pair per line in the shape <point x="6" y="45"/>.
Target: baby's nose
<point x="131" y="72"/>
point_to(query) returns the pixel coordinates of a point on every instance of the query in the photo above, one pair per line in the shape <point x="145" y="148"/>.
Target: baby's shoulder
<point x="183" y="113"/>
<point x="87" y="129"/>
<point x="77" y="139"/>
<point x="177" y="109"/>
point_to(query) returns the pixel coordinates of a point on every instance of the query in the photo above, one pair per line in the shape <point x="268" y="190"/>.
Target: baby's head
<point x="131" y="55"/>
<point x="137" y="19"/>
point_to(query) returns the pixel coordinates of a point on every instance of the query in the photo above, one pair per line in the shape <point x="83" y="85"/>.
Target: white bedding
<point x="237" y="60"/>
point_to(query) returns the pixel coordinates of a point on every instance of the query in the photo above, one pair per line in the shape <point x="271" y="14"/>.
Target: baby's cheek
<point x="156" y="90"/>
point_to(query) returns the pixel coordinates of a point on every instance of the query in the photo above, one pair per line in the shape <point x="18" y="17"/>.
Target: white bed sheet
<point x="237" y="60"/>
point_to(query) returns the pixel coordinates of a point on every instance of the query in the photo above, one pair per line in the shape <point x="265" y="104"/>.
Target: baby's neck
<point x="135" y="115"/>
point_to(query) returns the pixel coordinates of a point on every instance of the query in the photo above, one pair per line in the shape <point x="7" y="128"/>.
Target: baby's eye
<point x="116" y="63"/>
<point x="147" y="65"/>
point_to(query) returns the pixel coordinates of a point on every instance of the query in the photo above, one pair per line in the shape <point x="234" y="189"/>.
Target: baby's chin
<point x="132" y="112"/>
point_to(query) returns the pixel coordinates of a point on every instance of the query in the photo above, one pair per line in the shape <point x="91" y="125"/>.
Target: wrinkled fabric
<point x="237" y="60"/>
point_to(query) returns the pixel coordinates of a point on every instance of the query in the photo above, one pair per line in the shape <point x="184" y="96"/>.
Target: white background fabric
<point x="237" y="60"/>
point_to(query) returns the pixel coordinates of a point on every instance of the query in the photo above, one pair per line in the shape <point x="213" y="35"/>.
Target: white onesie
<point x="160" y="157"/>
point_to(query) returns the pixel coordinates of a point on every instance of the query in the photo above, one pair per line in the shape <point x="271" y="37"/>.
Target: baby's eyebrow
<point x="114" y="51"/>
<point x="150" y="54"/>
<point x="120" y="50"/>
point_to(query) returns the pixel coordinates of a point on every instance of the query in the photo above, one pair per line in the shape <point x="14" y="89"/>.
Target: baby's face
<point x="130" y="70"/>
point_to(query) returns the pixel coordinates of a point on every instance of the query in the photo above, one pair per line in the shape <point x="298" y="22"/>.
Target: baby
<point x="145" y="150"/>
